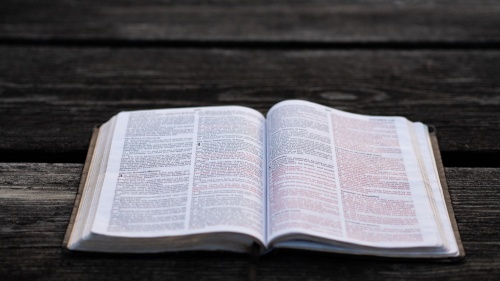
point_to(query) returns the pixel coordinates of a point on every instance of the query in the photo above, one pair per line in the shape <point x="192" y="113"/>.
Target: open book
<point x="226" y="178"/>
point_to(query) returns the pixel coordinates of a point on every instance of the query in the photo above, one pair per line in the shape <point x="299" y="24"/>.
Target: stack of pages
<point x="225" y="178"/>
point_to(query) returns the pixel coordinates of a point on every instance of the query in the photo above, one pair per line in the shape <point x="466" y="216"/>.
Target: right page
<point x="355" y="179"/>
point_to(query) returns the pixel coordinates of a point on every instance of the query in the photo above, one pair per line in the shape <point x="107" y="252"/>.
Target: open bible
<point x="225" y="178"/>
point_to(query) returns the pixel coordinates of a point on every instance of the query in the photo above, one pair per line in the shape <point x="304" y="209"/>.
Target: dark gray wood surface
<point x="41" y="196"/>
<point x="298" y="21"/>
<point x="53" y="96"/>
<point x="66" y="66"/>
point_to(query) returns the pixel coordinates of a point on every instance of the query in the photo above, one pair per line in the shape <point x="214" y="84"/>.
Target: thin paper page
<point x="428" y="159"/>
<point x="184" y="171"/>
<point x="302" y="188"/>
<point x="355" y="173"/>
<point x="384" y="200"/>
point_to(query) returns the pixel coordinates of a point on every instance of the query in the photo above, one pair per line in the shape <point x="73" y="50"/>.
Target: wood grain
<point x="66" y="66"/>
<point x="36" y="201"/>
<point x="56" y="264"/>
<point x="319" y="21"/>
<point x="50" y="98"/>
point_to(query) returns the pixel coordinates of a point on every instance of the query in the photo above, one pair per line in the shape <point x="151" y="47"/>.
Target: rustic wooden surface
<point x="297" y="21"/>
<point x="63" y="92"/>
<point x="41" y="197"/>
<point x="66" y="66"/>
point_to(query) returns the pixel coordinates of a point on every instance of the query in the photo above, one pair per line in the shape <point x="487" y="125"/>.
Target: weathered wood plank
<point x="50" y="98"/>
<point x="40" y="177"/>
<point x="482" y="263"/>
<point x="37" y="198"/>
<point x="56" y="264"/>
<point x="475" y="194"/>
<point x="36" y="201"/>
<point x="336" y="21"/>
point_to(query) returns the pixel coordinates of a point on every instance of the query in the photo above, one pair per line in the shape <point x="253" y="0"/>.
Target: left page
<point x="184" y="171"/>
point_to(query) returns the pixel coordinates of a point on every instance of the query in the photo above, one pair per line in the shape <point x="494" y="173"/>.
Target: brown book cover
<point x="83" y="179"/>
<point x="446" y="193"/>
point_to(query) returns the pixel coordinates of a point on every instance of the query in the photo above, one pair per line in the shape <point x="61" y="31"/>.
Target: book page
<point x="184" y="171"/>
<point x="346" y="177"/>
<point x="302" y="187"/>
<point x="422" y="134"/>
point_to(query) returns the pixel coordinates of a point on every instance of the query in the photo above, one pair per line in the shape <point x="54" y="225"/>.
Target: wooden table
<point x="66" y="66"/>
